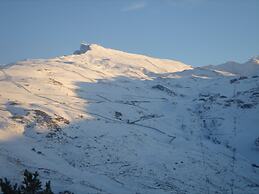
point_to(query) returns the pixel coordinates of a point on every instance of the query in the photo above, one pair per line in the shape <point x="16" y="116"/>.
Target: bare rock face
<point x="83" y="49"/>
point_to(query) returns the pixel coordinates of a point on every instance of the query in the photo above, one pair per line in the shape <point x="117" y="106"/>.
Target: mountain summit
<point x="86" y="47"/>
<point x="83" y="49"/>
<point x="106" y="121"/>
<point x="119" y="60"/>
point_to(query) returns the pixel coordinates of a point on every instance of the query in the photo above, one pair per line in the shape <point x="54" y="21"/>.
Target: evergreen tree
<point x="7" y="188"/>
<point x="31" y="183"/>
<point x="47" y="189"/>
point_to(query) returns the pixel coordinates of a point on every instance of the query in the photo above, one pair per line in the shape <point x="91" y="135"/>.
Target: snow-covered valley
<point x="106" y="121"/>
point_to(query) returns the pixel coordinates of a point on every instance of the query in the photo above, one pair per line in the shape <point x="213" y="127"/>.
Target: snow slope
<point x="106" y="121"/>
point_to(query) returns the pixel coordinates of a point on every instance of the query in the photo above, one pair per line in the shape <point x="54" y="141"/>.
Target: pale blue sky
<point x="197" y="32"/>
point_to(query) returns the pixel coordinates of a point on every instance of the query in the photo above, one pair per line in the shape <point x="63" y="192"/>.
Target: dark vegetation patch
<point x="31" y="184"/>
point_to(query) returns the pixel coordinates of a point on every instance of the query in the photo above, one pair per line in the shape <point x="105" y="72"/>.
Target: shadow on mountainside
<point x="134" y="136"/>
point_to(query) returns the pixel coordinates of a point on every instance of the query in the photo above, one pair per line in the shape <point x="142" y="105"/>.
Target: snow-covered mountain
<point x="106" y="121"/>
<point x="248" y="68"/>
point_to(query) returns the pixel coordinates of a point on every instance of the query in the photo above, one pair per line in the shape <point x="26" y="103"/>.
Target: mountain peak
<point x="84" y="47"/>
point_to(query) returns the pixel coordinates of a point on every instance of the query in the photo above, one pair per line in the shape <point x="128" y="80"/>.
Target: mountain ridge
<point x="232" y="67"/>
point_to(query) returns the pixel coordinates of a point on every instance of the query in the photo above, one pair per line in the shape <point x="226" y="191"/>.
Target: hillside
<point x="106" y="121"/>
